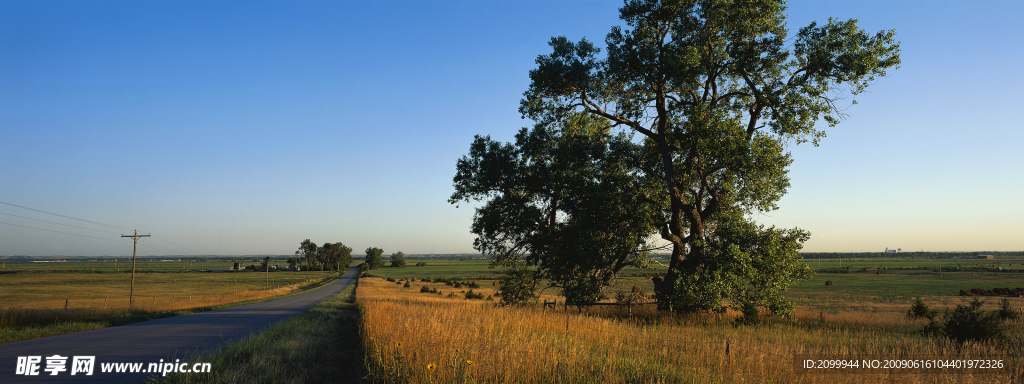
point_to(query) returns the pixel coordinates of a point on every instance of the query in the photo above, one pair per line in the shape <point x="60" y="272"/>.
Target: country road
<point x="150" y="341"/>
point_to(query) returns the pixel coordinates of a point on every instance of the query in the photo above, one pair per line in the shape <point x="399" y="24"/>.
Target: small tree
<point x="374" y="258"/>
<point x="518" y="286"/>
<point x="398" y="259"/>
<point x="969" y="322"/>
<point x="919" y="310"/>
<point x="1006" y="312"/>
<point x="292" y="261"/>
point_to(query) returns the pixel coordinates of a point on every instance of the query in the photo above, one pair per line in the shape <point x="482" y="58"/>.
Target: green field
<point x="857" y="286"/>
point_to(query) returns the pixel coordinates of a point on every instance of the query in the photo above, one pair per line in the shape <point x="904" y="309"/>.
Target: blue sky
<point x="246" y="127"/>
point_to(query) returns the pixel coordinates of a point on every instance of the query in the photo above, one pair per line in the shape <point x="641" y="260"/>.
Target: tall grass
<point x="406" y="332"/>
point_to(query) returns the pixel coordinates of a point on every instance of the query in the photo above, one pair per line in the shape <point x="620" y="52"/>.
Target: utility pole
<point x="135" y="245"/>
<point x="267" y="261"/>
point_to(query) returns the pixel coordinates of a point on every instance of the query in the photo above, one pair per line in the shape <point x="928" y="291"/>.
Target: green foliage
<point x="309" y="253"/>
<point x="716" y="90"/>
<point x="518" y="286"/>
<point x="398" y="259"/>
<point x="424" y="289"/>
<point x="474" y="296"/>
<point x="563" y="200"/>
<point x="919" y="310"/>
<point x="583" y="290"/>
<point x="1006" y="312"/>
<point x="747" y="263"/>
<point x="335" y="256"/>
<point x="374" y="257"/>
<point x="391" y="279"/>
<point x="328" y="256"/>
<point x="407" y="285"/>
<point x="969" y="323"/>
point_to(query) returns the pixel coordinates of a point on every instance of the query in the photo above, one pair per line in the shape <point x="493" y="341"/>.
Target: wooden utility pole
<point x="267" y="261"/>
<point x="135" y="245"/>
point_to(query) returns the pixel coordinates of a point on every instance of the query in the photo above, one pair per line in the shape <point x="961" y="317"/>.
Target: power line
<point x="54" y="222"/>
<point x="64" y="216"/>
<point x="174" y="244"/>
<point x="86" y="221"/>
<point x="169" y="252"/>
<point x="66" y="233"/>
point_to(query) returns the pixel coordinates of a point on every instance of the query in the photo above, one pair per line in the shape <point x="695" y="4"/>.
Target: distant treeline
<point x="210" y="258"/>
<point x="438" y="256"/>
<point x="921" y="255"/>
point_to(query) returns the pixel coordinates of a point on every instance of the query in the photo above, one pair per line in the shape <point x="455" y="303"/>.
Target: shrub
<point x="391" y="279"/>
<point x="919" y="310"/>
<point x="421" y="264"/>
<point x="471" y="295"/>
<point x="407" y="285"/>
<point x="473" y="284"/>
<point x="969" y="322"/>
<point x="424" y="289"/>
<point x="458" y="284"/>
<point x="425" y="280"/>
<point x="518" y="287"/>
<point x="1006" y="312"/>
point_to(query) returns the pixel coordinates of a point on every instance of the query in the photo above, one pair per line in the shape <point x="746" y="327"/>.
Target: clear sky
<point x="246" y="127"/>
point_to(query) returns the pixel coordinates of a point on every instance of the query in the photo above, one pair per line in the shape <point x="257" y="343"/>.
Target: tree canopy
<point x="715" y="91"/>
<point x="327" y="256"/>
<point x="374" y="258"/>
<point x="398" y="259"/>
<point x="336" y="256"/>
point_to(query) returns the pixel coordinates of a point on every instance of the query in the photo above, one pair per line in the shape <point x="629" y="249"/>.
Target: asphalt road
<point x="150" y="341"/>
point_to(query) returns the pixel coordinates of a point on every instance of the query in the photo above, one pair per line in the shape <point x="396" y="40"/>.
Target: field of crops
<point x="49" y="298"/>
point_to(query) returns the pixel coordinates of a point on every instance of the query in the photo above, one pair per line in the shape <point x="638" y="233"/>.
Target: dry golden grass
<point x="405" y="332"/>
<point x="153" y="291"/>
<point x="33" y="304"/>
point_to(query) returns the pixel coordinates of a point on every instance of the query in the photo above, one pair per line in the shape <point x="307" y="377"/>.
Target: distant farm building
<point x="985" y="257"/>
<point x="897" y="250"/>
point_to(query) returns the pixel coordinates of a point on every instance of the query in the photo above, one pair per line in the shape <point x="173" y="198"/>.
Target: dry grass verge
<point x="413" y="337"/>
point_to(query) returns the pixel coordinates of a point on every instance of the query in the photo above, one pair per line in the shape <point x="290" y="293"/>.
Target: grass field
<point x="404" y="331"/>
<point x="95" y="295"/>
<point x="862" y="313"/>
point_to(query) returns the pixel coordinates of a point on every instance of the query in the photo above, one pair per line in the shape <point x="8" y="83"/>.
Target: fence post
<point x="154" y="299"/>
<point x="727" y="341"/>
<point x="65" y="304"/>
<point x="104" y="302"/>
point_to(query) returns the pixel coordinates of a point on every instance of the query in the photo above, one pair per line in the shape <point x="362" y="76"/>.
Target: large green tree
<point x="715" y="89"/>
<point x="563" y="205"/>
<point x="309" y="253"/>
<point x="374" y="258"/>
<point x="398" y="259"/>
<point x="336" y="255"/>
